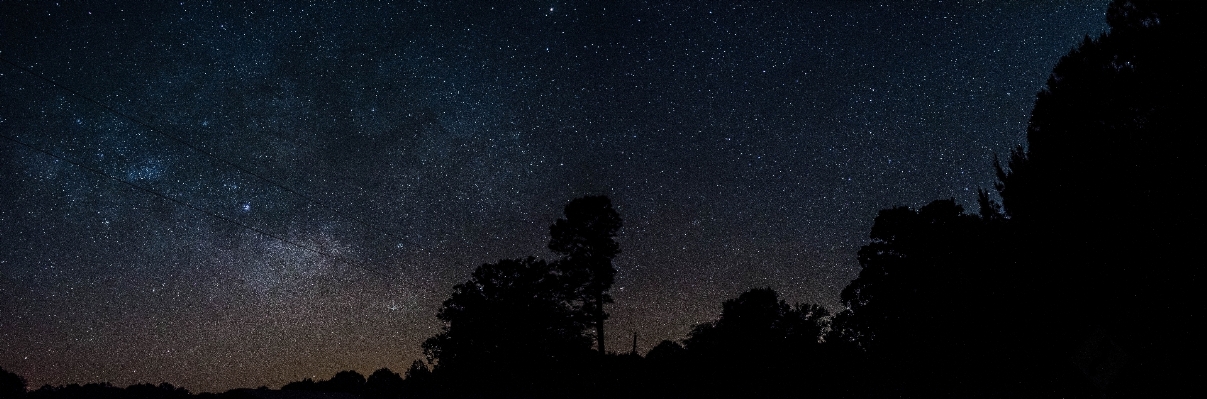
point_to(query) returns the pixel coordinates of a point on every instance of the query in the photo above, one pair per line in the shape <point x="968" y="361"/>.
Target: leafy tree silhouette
<point x="666" y="350"/>
<point x="755" y="322"/>
<point x="419" y="381"/>
<point x="383" y="383"/>
<point x="908" y="272"/>
<point x="1076" y="284"/>
<point x="586" y="240"/>
<point x="667" y="372"/>
<point x="511" y="321"/>
<point x="305" y="384"/>
<point x="935" y="295"/>
<point x="11" y="385"/>
<point x="517" y="326"/>
<point x="347" y="381"/>
<point x="756" y="346"/>
<point x="1112" y="147"/>
<point x="161" y="391"/>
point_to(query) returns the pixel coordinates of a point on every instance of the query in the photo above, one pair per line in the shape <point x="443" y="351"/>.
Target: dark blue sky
<point x="744" y="144"/>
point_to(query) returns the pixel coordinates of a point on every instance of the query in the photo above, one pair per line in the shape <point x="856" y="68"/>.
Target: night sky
<point x="288" y="191"/>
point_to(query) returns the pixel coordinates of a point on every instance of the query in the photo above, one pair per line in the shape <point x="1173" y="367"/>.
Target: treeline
<point x="13" y="386"/>
<point x="1081" y="282"/>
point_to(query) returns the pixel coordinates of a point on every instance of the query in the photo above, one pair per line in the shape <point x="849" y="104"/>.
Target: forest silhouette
<point x="1078" y="283"/>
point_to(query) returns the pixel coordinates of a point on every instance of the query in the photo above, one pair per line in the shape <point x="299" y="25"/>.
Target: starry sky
<point x="223" y="196"/>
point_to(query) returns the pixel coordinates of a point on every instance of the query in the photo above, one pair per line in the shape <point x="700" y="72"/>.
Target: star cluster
<point x="327" y="171"/>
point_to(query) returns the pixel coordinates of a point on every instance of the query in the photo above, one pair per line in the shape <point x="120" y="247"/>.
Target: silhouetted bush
<point x="758" y="346"/>
<point x="303" y="385"/>
<point x="509" y="328"/>
<point x="383" y="383"/>
<point x="347" y="381"/>
<point x="665" y="351"/>
<point x="11" y="385"/>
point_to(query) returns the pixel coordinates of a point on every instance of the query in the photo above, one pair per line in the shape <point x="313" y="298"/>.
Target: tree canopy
<point x="1076" y="284"/>
<point x="11" y="384"/>
<point x="511" y="315"/>
<point x="1113" y="146"/>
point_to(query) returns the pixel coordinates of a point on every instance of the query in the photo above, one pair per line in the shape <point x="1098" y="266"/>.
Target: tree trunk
<point x="599" y="321"/>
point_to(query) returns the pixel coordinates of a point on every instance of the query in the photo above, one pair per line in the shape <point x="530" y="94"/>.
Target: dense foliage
<point x="1077" y="284"/>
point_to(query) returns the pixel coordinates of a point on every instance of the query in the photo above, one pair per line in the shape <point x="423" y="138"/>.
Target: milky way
<point x="288" y="191"/>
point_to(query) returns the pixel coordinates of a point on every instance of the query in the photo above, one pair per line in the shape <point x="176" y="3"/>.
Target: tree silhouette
<point x="11" y="385"/>
<point x="348" y="381"/>
<point x="665" y="350"/>
<point x="1112" y="147"/>
<point x="512" y="319"/>
<point x="518" y="325"/>
<point x="911" y="275"/>
<point x="305" y="384"/>
<point x="755" y="323"/>
<point x="1075" y="285"/>
<point x="161" y="391"/>
<point x="585" y="239"/>
<point x="756" y="346"/>
<point x="418" y="371"/>
<point x="383" y="383"/>
<point x="936" y="294"/>
<point x="419" y="381"/>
